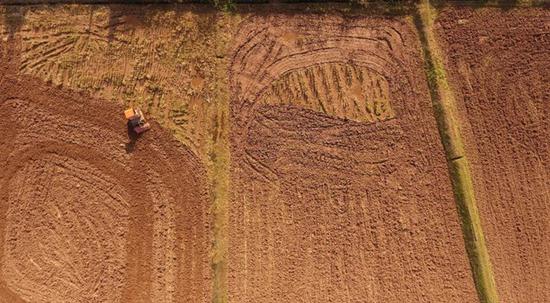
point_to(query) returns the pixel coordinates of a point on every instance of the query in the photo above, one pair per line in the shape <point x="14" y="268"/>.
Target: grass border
<point x="445" y="112"/>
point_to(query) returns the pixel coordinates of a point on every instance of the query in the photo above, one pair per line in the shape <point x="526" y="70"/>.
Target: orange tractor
<point x="136" y="120"/>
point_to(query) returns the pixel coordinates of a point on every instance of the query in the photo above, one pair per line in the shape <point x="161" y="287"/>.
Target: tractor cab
<point x="136" y="120"/>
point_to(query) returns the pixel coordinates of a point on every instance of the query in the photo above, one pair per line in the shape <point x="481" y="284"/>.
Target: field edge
<point x="445" y="112"/>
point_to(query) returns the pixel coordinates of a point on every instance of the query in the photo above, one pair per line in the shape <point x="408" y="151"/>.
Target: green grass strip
<point x="448" y="123"/>
<point x="219" y="165"/>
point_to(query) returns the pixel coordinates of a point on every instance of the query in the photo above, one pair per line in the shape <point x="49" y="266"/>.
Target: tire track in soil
<point x="97" y="248"/>
<point x="121" y="45"/>
<point x="349" y="205"/>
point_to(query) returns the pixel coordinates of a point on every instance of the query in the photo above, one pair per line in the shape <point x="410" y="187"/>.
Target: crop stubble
<point x="167" y="60"/>
<point x="340" y="188"/>
<point x="498" y="66"/>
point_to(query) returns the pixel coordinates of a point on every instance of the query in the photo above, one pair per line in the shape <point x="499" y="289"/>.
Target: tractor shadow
<point x="133" y="137"/>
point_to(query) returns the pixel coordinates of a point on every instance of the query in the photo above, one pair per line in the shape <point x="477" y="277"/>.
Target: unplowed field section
<point x="500" y="68"/>
<point x="340" y="186"/>
<point x="85" y="218"/>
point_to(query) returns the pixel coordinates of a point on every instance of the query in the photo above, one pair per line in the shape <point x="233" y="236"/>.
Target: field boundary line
<point x="448" y="123"/>
<point x="218" y="175"/>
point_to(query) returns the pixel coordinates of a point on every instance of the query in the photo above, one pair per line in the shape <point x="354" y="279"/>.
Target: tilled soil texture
<point x="500" y="69"/>
<point x="88" y="218"/>
<point x="340" y="186"/>
<point x="167" y="60"/>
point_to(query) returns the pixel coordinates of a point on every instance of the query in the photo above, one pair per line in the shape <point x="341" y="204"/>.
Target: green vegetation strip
<point x="448" y="123"/>
<point x="219" y="165"/>
<point x="219" y="184"/>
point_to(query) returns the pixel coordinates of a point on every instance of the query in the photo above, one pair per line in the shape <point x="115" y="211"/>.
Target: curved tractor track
<point x="341" y="193"/>
<point x="89" y="218"/>
<point x="280" y="63"/>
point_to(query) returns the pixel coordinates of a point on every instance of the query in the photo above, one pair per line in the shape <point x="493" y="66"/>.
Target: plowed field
<point x="88" y="218"/>
<point x="294" y="154"/>
<point x="341" y="191"/>
<point x="500" y="69"/>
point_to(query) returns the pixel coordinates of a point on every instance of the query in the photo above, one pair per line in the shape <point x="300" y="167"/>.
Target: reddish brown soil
<point x="340" y="188"/>
<point x="500" y="68"/>
<point x="86" y="218"/>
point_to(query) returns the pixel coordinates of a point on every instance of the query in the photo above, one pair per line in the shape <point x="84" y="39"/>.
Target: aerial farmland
<point x="371" y="151"/>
